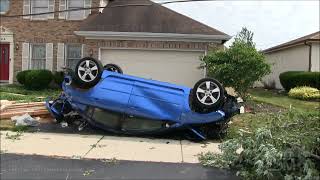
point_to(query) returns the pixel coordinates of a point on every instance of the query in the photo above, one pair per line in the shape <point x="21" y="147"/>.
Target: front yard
<point x="20" y="94"/>
<point x="266" y="104"/>
<point x="278" y="139"/>
<point x="273" y="122"/>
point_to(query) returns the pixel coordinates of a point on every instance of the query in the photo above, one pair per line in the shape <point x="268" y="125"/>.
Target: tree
<point x="245" y="36"/>
<point x="239" y="66"/>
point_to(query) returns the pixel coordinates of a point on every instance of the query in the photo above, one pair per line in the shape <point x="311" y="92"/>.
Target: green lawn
<point x="19" y="93"/>
<point x="271" y="104"/>
<point x="282" y="100"/>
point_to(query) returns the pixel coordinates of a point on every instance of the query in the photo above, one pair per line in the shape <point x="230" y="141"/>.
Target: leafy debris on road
<point x="97" y="146"/>
<point x="88" y="172"/>
<point x="110" y="161"/>
<point x="15" y="136"/>
<point x="75" y="157"/>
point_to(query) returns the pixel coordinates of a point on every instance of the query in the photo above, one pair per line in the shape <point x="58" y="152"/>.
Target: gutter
<point x="310" y="53"/>
<point x="110" y="35"/>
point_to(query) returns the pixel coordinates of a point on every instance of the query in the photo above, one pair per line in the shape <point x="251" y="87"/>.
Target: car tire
<point x="87" y="72"/>
<point x="207" y="95"/>
<point x="113" y="68"/>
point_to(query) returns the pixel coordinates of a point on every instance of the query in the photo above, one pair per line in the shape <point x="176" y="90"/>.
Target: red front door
<point x="4" y="62"/>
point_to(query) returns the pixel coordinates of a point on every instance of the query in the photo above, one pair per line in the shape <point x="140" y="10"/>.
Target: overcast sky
<point x="273" y="22"/>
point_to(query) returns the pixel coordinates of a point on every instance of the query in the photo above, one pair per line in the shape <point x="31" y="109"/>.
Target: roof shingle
<point x="144" y="16"/>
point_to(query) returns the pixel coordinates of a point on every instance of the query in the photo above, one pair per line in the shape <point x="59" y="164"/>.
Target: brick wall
<point x="40" y="31"/>
<point x="62" y="31"/>
<point x="94" y="45"/>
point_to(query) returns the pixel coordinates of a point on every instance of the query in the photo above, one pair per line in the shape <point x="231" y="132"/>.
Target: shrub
<point x="58" y="77"/>
<point x="239" y="67"/>
<point x="21" y="76"/>
<point x="38" y="79"/>
<point x="305" y="93"/>
<point x="287" y="148"/>
<point x="291" y="79"/>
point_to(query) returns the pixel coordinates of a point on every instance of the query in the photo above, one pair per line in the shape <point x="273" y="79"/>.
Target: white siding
<point x="315" y="57"/>
<point x="290" y="59"/>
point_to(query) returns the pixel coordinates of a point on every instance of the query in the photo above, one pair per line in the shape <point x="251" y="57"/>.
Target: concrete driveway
<point x="78" y="146"/>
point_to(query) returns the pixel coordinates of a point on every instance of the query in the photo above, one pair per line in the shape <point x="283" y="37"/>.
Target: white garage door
<point x="179" y="67"/>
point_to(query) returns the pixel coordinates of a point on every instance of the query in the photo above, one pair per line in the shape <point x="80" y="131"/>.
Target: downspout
<point x="310" y="53"/>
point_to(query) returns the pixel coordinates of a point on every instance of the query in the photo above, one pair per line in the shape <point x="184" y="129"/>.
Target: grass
<point x="19" y="93"/>
<point x="278" y="103"/>
<point x="282" y="100"/>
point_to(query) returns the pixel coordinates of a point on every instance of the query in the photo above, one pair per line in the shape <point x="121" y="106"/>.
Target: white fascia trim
<point x="110" y="35"/>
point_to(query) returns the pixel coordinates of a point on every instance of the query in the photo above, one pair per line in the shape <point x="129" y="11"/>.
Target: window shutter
<point x="62" y="7"/>
<point x="26" y="8"/>
<point x="25" y="56"/>
<point x="60" y="57"/>
<point x="51" y="9"/>
<point x="49" y="56"/>
<point x="87" y="4"/>
<point x="83" y="50"/>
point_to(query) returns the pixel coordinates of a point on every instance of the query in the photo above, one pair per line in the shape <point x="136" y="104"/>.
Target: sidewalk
<point x="105" y="147"/>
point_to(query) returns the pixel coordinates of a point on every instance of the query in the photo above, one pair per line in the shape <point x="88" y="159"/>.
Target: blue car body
<point x="132" y="96"/>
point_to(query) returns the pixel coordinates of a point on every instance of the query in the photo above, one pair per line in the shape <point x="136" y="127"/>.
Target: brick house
<point x="143" y="37"/>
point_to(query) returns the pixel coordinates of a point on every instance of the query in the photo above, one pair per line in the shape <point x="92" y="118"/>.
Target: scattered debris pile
<point x="25" y="120"/>
<point x="10" y="109"/>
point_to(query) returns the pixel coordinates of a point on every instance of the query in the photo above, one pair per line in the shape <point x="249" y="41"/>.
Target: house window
<point x="73" y="55"/>
<point x="4" y="6"/>
<point x="38" y="57"/>
<point x="75" y="4"/>
<point x="39" y="6"/>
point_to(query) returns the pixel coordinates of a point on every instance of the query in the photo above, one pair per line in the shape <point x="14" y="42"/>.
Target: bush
<point x="305" y="93"/>
<point x="291" y="79"/>
<point x="239" y="67"/>
<point x="38" y="79"/>
<point x="21" y="76"/>
<point x="58" y="77"/>
<point x="287" y="148"/>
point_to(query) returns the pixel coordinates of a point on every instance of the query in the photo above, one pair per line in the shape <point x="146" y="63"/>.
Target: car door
<point x="155" y="100"/>
<point x="113" y="93"/>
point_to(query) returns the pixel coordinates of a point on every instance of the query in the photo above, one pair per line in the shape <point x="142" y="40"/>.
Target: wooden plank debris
<point x="9" y="110"/>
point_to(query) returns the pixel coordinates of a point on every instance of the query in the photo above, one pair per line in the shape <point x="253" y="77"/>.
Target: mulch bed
<point x="256" y="107"/>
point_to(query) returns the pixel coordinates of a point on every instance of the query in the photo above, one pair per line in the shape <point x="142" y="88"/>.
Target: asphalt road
<point x="39" y="167"/>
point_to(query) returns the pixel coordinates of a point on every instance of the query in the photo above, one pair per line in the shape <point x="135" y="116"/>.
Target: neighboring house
<point x="144" y="38"/>
<point x="301" y="54"/>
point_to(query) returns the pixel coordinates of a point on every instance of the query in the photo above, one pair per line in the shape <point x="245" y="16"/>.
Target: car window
<point x="107" y="118"/>
<point x="141" y="124"/>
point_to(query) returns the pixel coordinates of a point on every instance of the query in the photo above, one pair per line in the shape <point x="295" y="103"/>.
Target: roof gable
<point x="145" y="16"/>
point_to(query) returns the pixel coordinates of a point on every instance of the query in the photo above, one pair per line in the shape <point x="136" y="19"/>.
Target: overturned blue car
<point x="106" y="98"/>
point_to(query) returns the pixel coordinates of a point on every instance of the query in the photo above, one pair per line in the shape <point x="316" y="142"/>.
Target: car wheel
<point x="207" y="95"/>
<point x="88" y="72"/>
<point x="113" y="68"/>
